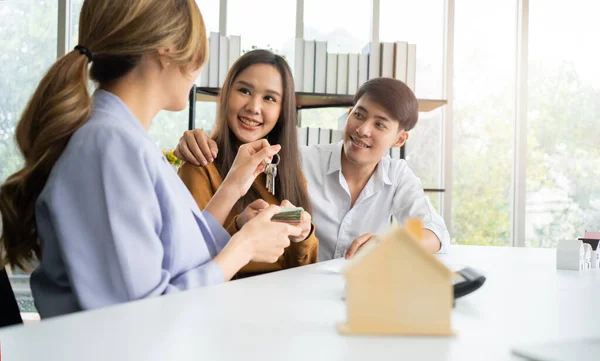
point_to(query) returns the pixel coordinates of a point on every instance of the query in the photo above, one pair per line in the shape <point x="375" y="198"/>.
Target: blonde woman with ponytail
<point x="106" y="231"/>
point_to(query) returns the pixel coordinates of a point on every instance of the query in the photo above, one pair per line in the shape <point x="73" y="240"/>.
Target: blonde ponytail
<point x="115" y="35"/>
<point x="60" y="105"/>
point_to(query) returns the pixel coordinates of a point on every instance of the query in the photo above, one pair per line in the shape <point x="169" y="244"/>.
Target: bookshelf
<point x="307" y="101"/>
<point x="303" y="101"/>
<point x="321" y="79"/>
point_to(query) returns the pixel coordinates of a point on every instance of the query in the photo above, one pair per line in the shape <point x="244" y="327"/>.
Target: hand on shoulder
<point x="196" y="147"/>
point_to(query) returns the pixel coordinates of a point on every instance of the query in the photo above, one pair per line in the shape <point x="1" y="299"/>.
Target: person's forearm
<point x="430" y="241"/>
<point x="231" y="259"/>
<point x="221" y="203"/>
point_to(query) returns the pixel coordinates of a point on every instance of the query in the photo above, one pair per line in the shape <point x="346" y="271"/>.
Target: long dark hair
<point x="289" y="183"/>
<point x="117" y="34"/>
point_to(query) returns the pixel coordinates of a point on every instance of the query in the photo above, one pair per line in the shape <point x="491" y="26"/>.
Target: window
<point x="484" y="115"/>
<point x="210" y="14"/>
<point x="28" y="49"/>
<point x="29" y="42"/>
<point x="328" y="118"/>
<point x="345" y="26"/>
<point x="167" y="127"/>
<point x="75" y="12"/>
<point x="421" y="23"/>
<point x="563" y="191"/>
<point x="208" y="8"/>
<point x="258" y="28"/>
<point x="329" y="21"/>
<point x="254" y="22"/>
<point x="206" y="112"/>
<point x="424" y="149"/>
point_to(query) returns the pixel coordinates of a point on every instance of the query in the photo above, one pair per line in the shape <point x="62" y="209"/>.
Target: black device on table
<point x="466" y="281"/>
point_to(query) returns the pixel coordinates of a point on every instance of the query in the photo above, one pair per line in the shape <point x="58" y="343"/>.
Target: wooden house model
<point x="395" y="286"/>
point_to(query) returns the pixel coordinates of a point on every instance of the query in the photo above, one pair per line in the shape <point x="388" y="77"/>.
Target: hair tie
<point x="83" y="50"/>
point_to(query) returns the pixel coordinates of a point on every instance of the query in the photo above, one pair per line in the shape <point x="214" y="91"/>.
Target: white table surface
<point x="292" y="314"/>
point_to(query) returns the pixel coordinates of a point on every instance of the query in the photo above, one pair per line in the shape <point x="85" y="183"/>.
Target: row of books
<point x="317" y="71"/>
<point x="223" y="52"/>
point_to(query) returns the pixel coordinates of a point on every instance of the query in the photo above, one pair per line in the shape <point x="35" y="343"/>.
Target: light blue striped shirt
<point x="116" y="223"/>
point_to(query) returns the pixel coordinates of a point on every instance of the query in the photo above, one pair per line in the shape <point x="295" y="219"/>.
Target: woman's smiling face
<point x="255" y="102"/>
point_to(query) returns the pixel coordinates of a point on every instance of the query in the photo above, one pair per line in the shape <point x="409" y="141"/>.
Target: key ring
<point x="278" y="159"/>
<point x="267" y="161"/>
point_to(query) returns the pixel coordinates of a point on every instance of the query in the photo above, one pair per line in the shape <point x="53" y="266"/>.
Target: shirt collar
<point x="382" y="170"/>
<point x="380" y="174"/>
<point x="335" y="158"/>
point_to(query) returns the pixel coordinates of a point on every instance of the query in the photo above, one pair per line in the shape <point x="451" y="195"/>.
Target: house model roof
<point x="408" y="240"/>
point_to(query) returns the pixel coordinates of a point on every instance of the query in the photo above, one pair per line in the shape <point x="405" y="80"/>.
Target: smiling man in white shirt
<point x="354" y="186"/>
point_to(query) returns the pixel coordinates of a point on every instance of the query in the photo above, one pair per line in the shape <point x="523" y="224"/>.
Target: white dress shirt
<point x="392" y="190"/>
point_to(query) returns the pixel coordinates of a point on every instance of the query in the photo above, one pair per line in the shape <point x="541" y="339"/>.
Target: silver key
<point x="271" y="174"/>
<point x="271" y="171"/>
<point x="268" y="178"/>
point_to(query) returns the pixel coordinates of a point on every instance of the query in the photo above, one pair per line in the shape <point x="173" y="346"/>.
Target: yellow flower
<point x="171" y="158"/>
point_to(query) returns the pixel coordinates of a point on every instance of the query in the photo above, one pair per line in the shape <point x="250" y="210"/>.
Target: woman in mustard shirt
<point x="257" y="101"/>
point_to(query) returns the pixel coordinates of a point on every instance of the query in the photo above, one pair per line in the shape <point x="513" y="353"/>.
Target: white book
<point x="223" y="58"/>
<point x="213" y="61"/>
<point x="302" y="136"/>
<point x="203" y="78"/>
<point x="336" y="136"/>
<point x="400" y="62"/>
<point x="309" y="66"/>
<point x="320" y="66"/>
<point x="313" y="136"/>
<point x="331" y="85"/>
<point x="352" y="73"/>
<point x="374" y="51"/>
<point x="324" y="136"/>
<point x="387" y="60"/>
<point x="363" y="68"/>
<point x="411" y="67"/>
<point x="299" y="64"/>
<point x="235" y="49"/>
<point x="342" y="74"/>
